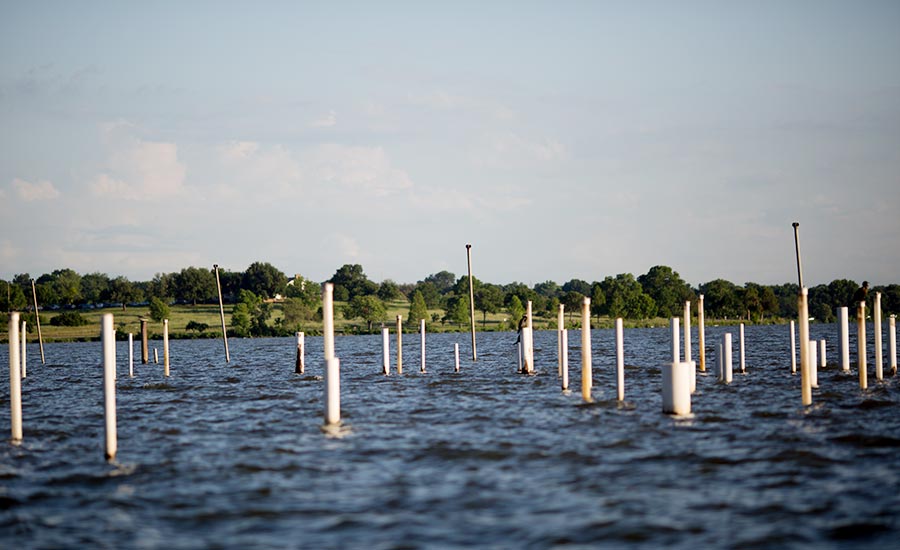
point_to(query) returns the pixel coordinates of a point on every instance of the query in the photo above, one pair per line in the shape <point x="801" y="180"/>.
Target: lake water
<point x="232" y="455"/>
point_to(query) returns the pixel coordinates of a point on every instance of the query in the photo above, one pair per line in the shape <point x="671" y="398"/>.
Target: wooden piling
<point x="145" y="348"/>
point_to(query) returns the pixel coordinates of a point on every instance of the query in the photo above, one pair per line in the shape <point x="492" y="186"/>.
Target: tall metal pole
<point x="797" y="245"/>
<point x="222" y="313"/>
<point x="37" y="318"/>
<point x="471" y="299"/>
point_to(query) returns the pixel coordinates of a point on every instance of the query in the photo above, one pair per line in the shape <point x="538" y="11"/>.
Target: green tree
<point x="264" y="280"/>
<point x="308" y="292"/>
<point x="667" y="289"/>
<point x="573" y="299"/>
<point x="297" y="311"/>
<point x="123" y="291"/>
<point x="721" y="299"/>
<point x="162" y="286"/>
<point x="388" y="291"/>
<point x="240" y="319"/>
<point x="417" y="310"/>
<point x="66" y="286"/>
<point x="367" y="307"/>
<point x="577" y="285"/>
<point x="159" y="310"/>
<point x="94" y="288"/>
<point x="350" y="281"/>
<point x="598" y="300"/>
<point x="12" y="298"/>
<point x="547" y="289"/>
<point x="430" y="293"/>
<point x="488" y="299"/>
<point x="516" y="311"/>
<point x="443" y="282"/>
<point x="625" y="297"/>
<point x="195" y="284"/>
<point x="458" y="309"/>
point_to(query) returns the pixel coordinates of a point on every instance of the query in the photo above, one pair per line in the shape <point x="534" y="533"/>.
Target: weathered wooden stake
<point x="145" y="348"/>
<point x="471" y="299"/>
<point x="300" y="365"/>
<point x="15" y="379"/>
<point x="222" y="314"/>
<point x="166" y="347"/>
<point x="701" y="335"/>
<point x="586" y="373"/>
<point x="805" y="380"/>
<point x="565" y="360"/>
<point x="620" y="361"/>
<point x="37" y="318"/>
<point x="879" y="364"/>
<point x="399" y="344"/>
<point x="422" y="332"/>
<point x="861" y="345"/>
<point x="109" y="385"/>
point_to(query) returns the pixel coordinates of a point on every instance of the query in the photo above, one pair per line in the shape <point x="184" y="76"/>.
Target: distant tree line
<point x="252" y="295"/>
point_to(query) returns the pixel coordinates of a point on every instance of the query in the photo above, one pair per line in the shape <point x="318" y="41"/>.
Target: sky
<point x="561" y="139"/>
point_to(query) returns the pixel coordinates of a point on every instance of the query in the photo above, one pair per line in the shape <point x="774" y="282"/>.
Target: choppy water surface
<point x="233" y="455"/>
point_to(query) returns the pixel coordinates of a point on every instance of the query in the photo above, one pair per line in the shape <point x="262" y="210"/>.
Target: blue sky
<point x="563" y="139"/>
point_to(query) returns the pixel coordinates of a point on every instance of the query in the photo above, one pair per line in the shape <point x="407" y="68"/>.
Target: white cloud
<point x="250" y="163"/>
<point x="326" y="121"/>
<point x="137" y="169"/>
<point x="512" y="148"/>
<point x="40" y="191"/>
<point x="8" y="252"/>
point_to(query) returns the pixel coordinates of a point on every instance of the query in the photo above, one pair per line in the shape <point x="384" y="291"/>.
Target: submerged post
<point x="37" y="319"/>
<point x="586" y="374"/>
<point x="15" y="379"/>
<point x="861" y="345"/>
<point x="620" y="361"/>
<point x="844" y="338"/>
<point x="805" y="380"/>
<point x="300" y="365"/>
<point x="399" y="344"/>
<point x="222" y="314"/>
<point x="471" y="299"/>
<point x="565" y="360"/>
<point x="701" y="335"/>
<point x="879" y="365"/>
<point x="385" y="351"/>
<point x="676" y="393"/>
<point x="813" y="364"/>
<point x="145" y="348"/>
<point x="793" y="348"/>
<point x="166" y="347"/>
<point x="332" y="364"/>
<point x="109" y="385"/>
<point x="422" y="332"/>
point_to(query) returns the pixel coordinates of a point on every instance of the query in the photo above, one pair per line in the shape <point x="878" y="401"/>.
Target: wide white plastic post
<point x="560" y="325"/>
<point x="130" y="355"/>
<point x="879" y="364"/>
<point x="844" y="338"/>
<point x="861" y="345"/>
<point x="386" y="351"/>
<point x="300" y="363"/>
<point x="743" y="365"/>
<point x="805" y="380"/>
<point x="687" y="332"/>
<point x="676" y="340"/>
<point x="399" y="344"/>
<point x="586" y="372"/>
<point x="422" y="332"/>
<point x="726" y="350"/>
<point x="24" y="337"/>
<point x="456" y="356"/>
<point x="701" y="335"/>
<point x="565" y="360"/>
<point x="528" y="341"/>
<point x="822" y="361"/>
<point x="676" y="390"/>
<point x="332" y="363"/>
<point x="813" y="364"/>
<point x="793" y="348"/>
<point x="109" y="385"/>
<point x="166" y="347"/>
<point x="620" y="361"/>
<point x="15" y="379"/>
<point x="892" y="342"/>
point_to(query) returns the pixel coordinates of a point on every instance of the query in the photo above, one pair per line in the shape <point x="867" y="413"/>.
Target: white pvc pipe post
<point x="519" y="347"/>
<point x="822" y="361"/>
<point x="130" y="355"/>
<point x="844" y="338"/>
<point x="805" y="380"/>
<point x="560" y="325"/>
<point x="586" y="374"/>
<point x="565" y="360"/>
<point x="743" y="365"/>
<point x="620" y="361"/>
<point x="300" y="363"/>
<point x="892" y="343"/>
<point x="456" y="355"/>
<point x="676" y="392"/>
<point x="720" y="364"/>
<point x="332" y="363"/>
<point x="528" y="341"/>
<point x="166" y="347"/>
<point x="687" y="332"/>
<point x="156" y="356"/>
<point x="701" y="336"/>
<point x="386" y="351"/>
<point x="422" y="332"/>
<point x="399" y="344"/>
<point x="729" y="369"/>
<point x="861" y="345"/>
<point x="879" y="364"/>
<point x="109" y="385"/>
<point x="24" y="336"/>
<point x="15" y="379"/>
<point x="793" y="348"/>
<point x="676" y="340"/>
<point x="813" y="364"/>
